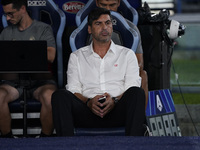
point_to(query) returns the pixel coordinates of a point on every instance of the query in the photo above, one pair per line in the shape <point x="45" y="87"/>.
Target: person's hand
<point x="94" y="105"/>
<point x="107" y="106"/>
<point x="101" y="109"/>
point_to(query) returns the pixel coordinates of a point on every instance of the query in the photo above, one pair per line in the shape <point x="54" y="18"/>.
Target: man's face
<point x="108" y="4"/>
<point x="101" y="29"/>
<point x="12" y="15"/>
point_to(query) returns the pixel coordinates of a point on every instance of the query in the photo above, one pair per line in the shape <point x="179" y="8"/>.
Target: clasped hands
<point x="101" y="109"/>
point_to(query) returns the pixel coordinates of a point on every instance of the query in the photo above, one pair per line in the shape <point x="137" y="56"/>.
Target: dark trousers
<point x="70" y="112"/>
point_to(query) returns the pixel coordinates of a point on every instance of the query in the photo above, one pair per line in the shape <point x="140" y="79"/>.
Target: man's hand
<point x="101" y="109"/>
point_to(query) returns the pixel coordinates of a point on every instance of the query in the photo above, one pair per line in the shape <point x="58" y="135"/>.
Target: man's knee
<point x="56" y="96"/>
<point x="136" y="93"/>
<point x="60" y="96"/>
<point x="135" y="90"/>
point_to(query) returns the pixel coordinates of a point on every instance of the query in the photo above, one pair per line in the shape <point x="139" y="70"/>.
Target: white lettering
<point x="73" y="7"/>
<point x="159" y="104"/>
<point x="37" y="3"/>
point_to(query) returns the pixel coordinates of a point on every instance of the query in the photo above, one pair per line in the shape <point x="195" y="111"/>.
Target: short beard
<point x="103" y="40"/>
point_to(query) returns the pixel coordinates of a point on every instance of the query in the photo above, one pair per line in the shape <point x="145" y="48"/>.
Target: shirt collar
<point x="111" y="49"/>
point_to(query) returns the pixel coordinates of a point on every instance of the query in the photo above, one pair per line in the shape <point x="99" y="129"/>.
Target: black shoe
<point x="9" y="135"/>
<point x="42" y="135"/>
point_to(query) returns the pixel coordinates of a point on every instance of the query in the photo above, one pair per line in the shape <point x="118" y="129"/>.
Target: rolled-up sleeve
<point x="132" y="77"/>
<point x="73" y="79"/>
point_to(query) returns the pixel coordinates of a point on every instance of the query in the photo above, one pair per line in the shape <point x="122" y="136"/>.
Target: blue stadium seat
<point x="129" y="38"/>
<point x="47" y="12"/>
<point x="1" y="25"/>
<point x="125" y="9"/>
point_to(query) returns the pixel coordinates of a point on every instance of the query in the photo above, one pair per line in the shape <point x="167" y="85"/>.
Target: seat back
<point x="125" y="9"/>
<point x="1" y="14"/>
<point x="47" y="11"/>
<point x="128" y="36"/>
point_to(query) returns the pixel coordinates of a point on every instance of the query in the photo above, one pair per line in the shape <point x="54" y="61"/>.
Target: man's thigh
<point x="84" y="117"/>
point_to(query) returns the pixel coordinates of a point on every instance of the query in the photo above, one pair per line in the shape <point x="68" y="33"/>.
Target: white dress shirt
<point x="91" y="75"/>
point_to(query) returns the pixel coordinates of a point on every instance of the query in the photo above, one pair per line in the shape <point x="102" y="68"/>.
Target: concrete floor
<point x="189" y="122"/>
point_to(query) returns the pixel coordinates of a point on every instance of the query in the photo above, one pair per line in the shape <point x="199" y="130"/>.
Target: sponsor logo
<point x="36" y="3"/>
<point x="72" y="6"/>
<point x="114" y="22"/>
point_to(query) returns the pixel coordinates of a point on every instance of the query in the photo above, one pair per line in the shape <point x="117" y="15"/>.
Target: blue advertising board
<point x="160" y="102"/>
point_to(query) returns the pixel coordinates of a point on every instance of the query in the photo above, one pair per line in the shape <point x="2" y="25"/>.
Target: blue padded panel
<point x="83" y="12"/>
<point x="99" y="131"/>
<point x="128" y="35"/>
<point x="79" y="37"/>
<point x="17" y="106"/>
<point x="160" y="102"/>
<point x="125" y="8"/>
<point x="4" y="21"/>
<point x="128" y="11"/>
<point x="1" y="14"/>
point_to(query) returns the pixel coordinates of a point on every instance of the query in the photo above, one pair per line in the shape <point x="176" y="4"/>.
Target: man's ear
<point x="89" y="30"/>
<point x="97" y="3"/>
<point x="119" y="2"/>
<point x="23" y="8"/>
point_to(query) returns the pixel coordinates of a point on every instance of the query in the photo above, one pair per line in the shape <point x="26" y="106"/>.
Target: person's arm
<point x="51" y="54"/>
<point x="143" y="75"/>
<point x="74" y="85"/>
<point x="140" y="60"/>
<point x="48" y="36"/>
<point x="132" y="77"/>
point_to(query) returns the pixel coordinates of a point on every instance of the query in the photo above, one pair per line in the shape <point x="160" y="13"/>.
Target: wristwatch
<point x="115" y="99"/>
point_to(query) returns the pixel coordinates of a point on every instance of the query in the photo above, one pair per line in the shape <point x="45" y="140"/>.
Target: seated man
<point x="24" y="28"/>
<point x="113" y="5"/>
<point x="102" y="70"/>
